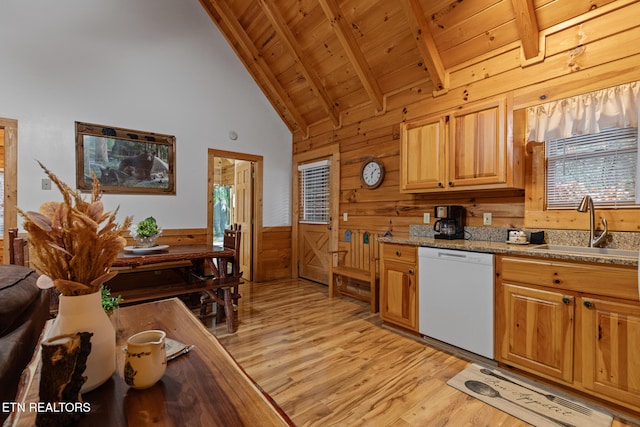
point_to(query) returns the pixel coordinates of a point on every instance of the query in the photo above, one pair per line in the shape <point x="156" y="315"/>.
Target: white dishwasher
<point x="455" y="296"/>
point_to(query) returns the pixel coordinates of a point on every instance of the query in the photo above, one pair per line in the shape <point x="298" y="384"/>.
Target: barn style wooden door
<point x="314" y="252"/>
<point x="314" y="241"/>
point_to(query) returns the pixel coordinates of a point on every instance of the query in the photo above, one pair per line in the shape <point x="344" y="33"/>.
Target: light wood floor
<point x="331" y="362"/>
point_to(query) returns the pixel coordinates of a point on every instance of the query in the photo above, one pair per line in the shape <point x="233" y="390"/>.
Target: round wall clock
<point x="372" y="173"/>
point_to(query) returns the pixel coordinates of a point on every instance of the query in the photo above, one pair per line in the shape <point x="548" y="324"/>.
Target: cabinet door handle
<point x="440" y="185"/>
<point x="450" y="183"/>
<point x="566" y="300"/>
<point x="588" y="304"/>
<point x="398" y="253"/>
<point x="411" y="271"/>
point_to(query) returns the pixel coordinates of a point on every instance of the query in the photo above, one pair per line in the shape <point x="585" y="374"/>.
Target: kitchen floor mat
<point x="528" y="402"/>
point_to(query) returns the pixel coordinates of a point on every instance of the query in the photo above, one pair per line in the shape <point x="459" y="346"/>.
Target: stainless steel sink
<point x="622" y="253"/>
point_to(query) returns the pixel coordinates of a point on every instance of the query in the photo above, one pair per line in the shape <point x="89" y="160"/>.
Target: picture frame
<point x="125" y="161"/>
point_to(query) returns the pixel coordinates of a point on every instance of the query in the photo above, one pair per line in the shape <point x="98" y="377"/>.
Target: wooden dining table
<point x="204" y="387"/>
<point x="135" y="257"/>
<point x="188" y="263"/>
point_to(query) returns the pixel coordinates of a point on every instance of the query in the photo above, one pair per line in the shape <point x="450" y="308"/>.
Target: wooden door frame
<point x="333" y="152"/>
<point x="10" y="127"/>
<point x="256" y="207"/>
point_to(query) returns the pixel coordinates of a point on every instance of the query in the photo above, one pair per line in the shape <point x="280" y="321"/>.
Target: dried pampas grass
<point x="75" y="241"/>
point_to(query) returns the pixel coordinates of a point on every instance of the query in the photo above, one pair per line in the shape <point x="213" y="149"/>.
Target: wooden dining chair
<point x="17" y="245"/>
<point x="231" y="267"/>
<point x="231" y="240"/>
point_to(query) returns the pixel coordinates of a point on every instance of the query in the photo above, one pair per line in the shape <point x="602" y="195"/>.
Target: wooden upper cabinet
<point x="471" y="148"/>
<point x="477" y="145"/>
<point x="423" y="154"/>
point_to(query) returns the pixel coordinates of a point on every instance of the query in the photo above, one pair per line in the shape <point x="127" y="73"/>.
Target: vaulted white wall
<point x="152" y="65"/>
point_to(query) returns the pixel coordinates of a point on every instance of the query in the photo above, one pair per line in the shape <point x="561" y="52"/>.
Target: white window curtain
<point x="585" y="114"/>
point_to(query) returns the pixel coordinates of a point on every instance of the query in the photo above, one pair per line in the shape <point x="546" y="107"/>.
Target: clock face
<point x="372" y="174"/>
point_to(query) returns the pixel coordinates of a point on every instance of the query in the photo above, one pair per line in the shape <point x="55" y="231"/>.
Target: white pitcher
<point x="146" y="359"/>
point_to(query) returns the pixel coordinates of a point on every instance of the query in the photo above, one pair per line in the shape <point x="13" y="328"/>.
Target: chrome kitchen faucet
<point x="587" y="205"/>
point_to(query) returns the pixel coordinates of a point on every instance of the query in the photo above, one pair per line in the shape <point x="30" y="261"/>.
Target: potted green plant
<point x="109" y="303"/>
<point x="146" y="232"/>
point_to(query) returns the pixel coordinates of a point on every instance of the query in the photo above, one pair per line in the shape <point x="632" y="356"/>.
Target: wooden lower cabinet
<point x="537" y="330"/>
<point x="399" y="286"/>
<point x="574" y="323"/>
<point x="610" y="333"/>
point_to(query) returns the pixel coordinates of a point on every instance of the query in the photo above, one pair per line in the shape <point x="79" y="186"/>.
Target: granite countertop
<point x="501" y="247"/>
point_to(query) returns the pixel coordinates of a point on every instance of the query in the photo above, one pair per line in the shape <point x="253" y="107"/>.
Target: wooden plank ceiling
<point x="317" y="59"/>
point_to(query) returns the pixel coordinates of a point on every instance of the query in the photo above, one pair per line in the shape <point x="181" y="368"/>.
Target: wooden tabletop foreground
<point x="203" y="387"/>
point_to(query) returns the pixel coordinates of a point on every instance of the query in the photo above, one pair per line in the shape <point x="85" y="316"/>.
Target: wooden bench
<point x="354" y="267"/>
<point x="163" y="291"/>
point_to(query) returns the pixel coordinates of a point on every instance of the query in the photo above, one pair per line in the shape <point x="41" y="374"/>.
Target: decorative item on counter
<point x="146" y="233"/>
<point x="75" y="243"/>
<point x="517" y="237"/>
<point x="64" y="360"/>
<point x="146" y="360"/>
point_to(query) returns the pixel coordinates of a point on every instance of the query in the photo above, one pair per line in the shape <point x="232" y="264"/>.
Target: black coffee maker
<point x="450" y="223"/>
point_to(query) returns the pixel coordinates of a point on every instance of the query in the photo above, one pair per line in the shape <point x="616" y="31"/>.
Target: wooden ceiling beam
<point x="221" y="13"/>
<point x="426" y="44"/>
<point x="527" y="23"/>
<point x="287" y="37"/>
<point x="342" y="30"/>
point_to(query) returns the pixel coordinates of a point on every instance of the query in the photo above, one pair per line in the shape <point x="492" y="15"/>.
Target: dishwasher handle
<point x="453" y="255"/>
<point x="458" y="256"/>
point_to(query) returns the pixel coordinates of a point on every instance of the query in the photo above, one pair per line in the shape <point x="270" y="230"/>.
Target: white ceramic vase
<point x="84" y="313"/>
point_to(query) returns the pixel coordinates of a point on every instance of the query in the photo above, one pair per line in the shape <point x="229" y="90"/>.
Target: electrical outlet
<point x="345" y="217"/>
<point x="486" y="218"/>
<point x="426" y="218"/>
<point x="46" y="184"/>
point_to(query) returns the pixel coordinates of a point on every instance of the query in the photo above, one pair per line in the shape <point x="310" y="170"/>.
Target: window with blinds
<point x="602" y="165"/>
<point x="313" y="179"/>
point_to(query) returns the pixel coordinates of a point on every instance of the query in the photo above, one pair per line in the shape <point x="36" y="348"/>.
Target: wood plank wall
<point x="609" y="56"/>
<point x="274" y="260"/>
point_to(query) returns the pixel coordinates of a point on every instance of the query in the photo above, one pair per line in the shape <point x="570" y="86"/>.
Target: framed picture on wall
<point x="125" y="161"/>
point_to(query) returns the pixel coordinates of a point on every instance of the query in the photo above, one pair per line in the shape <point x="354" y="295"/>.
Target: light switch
<point x="46" y="184"/>
<point x="345" y="216"/>
<point x="426" y="218"/>
<point x="486" y="218"/>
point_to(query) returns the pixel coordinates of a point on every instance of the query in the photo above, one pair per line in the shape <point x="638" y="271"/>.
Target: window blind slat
<point x="314" y="192"/>
<point x="602" y="165"/>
